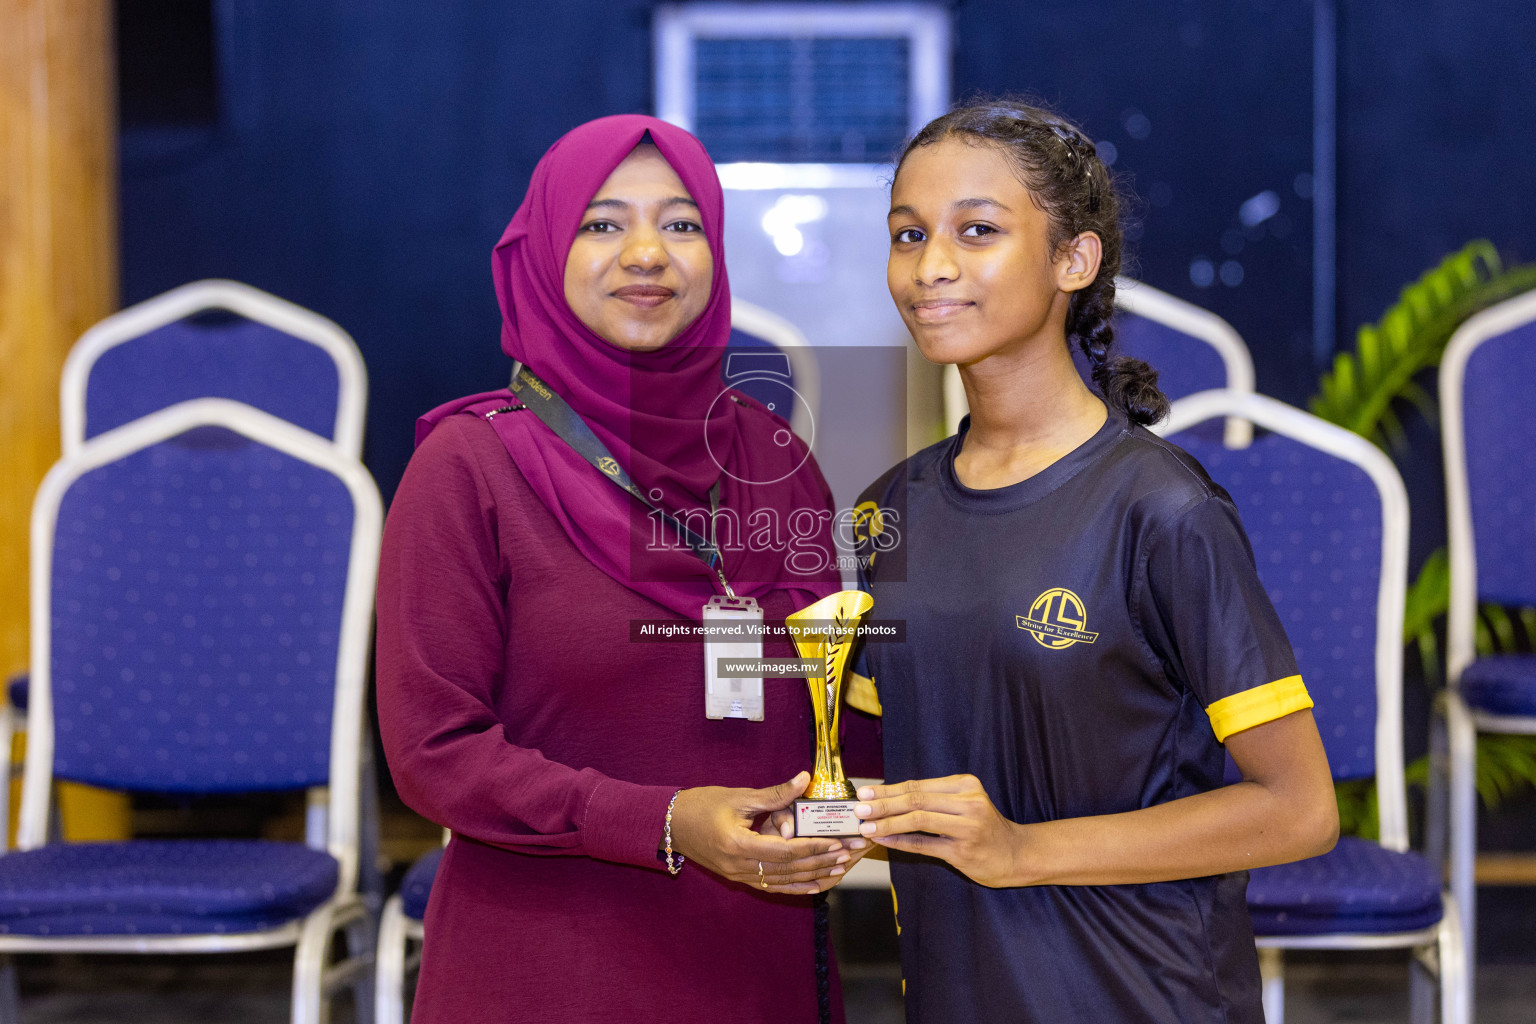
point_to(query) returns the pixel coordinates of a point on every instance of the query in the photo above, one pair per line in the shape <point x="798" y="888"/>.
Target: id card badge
<point x="733" y="696"/>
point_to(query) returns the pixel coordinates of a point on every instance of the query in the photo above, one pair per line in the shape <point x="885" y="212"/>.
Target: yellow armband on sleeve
<point x="1256" y="706"/>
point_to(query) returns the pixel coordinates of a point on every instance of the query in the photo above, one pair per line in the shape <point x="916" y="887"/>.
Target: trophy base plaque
<point x="831" y="818"/>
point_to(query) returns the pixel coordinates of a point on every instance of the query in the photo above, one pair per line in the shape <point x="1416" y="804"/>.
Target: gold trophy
<point x="825" y="632"/>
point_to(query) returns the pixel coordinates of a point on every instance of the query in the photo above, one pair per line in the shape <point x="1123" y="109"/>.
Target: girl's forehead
<point x="956" y="168"/>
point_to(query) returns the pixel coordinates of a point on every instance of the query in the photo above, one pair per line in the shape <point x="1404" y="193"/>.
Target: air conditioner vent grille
<point x="831" y="100"/>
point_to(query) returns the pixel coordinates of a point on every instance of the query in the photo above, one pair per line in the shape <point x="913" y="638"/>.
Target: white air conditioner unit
<point x="804" y="107"/>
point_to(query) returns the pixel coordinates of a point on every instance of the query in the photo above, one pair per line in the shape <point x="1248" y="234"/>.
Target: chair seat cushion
<point x="417" y="885"/>
<point x="1504" y="685"/>
<point x="161" y="887"/>
<point x="1357" y="887"/>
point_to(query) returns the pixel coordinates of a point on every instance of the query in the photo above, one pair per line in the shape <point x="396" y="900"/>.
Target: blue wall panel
<point x="1207" y="104"/>
<point x="366" y="156"/>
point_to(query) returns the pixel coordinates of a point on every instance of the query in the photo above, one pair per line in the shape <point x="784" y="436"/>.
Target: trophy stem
<point x="827" y="779"/>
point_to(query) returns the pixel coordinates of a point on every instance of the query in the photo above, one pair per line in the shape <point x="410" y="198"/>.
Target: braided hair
<point x="1067" y="181"/>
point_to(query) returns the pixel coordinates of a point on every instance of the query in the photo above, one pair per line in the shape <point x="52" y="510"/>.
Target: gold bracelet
<point x="672" y="867"/>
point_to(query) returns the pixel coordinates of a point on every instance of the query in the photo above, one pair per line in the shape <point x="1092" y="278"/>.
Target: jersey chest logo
<point x="1057" y="619"/>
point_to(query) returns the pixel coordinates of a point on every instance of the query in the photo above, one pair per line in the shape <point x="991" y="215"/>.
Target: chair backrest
<point x="767" y="358"/>
<point x="202" y="593"/>
<point x="1191" y="348"/>
<point x="215" y="339"/>
<point x="1327" y="514"/>
<point x="1486" y="392"/>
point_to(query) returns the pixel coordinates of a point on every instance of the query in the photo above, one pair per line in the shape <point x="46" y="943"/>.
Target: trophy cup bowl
<point x="825" y="632"/>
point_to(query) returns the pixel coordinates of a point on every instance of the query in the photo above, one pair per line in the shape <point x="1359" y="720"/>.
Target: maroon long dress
<point x="517" y="712"/>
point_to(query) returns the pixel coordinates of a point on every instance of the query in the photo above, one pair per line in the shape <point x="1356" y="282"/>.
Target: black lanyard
<point x="558" y="416"/>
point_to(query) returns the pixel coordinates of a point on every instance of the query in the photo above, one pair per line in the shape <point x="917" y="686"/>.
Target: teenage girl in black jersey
<point x="1085" y="628"/>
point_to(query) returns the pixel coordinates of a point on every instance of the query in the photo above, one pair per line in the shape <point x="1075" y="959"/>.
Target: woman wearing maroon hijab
<point x="518" y="708"/>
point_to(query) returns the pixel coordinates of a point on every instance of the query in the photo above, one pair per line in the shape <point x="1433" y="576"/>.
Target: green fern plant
<point x="1506" y="765"/>
<point x="1498" y="629"/>
<point x="1365" y="388"/>
<point x="1429" y="598"/>
<point x="1363" y="392"/>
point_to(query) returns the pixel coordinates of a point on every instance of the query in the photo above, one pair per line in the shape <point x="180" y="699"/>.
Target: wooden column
<point x="58" y="247"/>
<point x="58" y="255"/>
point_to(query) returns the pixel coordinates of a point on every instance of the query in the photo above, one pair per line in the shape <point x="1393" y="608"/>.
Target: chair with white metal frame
<point x="215" y="339"/>
<point x="1191" y="348"/>
<point x="207" y="339"/>
<point x="401" y="934"/>
<point x="201" y="595"/>
<point x="1327" y="514"/>
<point x="1490" y="482"/>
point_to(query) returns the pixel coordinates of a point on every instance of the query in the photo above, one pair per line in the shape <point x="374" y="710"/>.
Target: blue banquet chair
<point x="1327" y="515"/>
<point x="1191" y="348"/>
<point x="1490" y="481"/>
<point x="216" y="339"/>
<point x="207" y="339"/>
<point x="201" y="596"/>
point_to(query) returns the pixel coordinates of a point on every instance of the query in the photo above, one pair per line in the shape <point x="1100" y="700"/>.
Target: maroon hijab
<point x="652" y="409"/>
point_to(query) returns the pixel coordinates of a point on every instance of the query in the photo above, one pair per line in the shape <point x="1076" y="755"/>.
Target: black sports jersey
<point x="1081" y="642"/>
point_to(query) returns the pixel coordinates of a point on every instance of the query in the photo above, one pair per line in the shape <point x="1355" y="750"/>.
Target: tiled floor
<point x="1321" y="988"/>
<point x="254" y="988"/>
